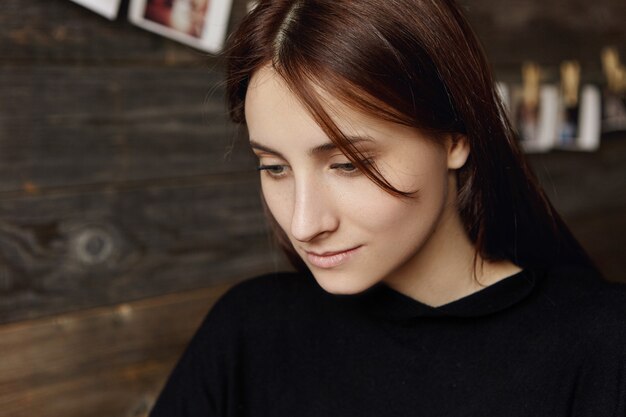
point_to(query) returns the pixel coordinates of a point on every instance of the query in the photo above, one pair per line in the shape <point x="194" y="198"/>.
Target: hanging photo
<point x="614" y="111"/>
<point x="579" y="111"/>
<point x="198" y="23"/>
<point x="106" y="8"/>
<point x="534" y="108"/>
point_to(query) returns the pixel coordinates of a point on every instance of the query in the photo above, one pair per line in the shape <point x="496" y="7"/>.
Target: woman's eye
<point x="272" y="170"/>
<point x="349" y="167"/>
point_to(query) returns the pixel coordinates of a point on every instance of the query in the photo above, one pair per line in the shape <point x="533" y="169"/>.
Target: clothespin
<point x="613" y="70"/>
<point x="531" y="78"/>
<point x="570" y="82"/>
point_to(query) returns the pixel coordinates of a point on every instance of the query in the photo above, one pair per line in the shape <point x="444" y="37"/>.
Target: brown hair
<point x="417" y="63"/>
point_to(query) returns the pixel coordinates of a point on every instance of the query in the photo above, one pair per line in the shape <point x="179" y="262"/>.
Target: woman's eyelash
<point x="273" y="170"/>
<point x="349" y="167"/>
<point x="346" y="166"/>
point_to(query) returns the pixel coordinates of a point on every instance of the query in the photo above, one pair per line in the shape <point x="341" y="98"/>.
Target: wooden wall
<point x="128" y="202"/>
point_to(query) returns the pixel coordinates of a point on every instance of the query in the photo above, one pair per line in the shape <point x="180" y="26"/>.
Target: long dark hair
<point x="417" y="63"/>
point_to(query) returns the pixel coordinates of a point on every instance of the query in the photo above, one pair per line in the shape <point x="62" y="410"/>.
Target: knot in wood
<point x="93" y="245"/>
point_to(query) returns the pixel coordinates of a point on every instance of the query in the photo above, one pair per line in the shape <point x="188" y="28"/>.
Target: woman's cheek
<point x="373" y="208"/>
<point x="278" y="202"/>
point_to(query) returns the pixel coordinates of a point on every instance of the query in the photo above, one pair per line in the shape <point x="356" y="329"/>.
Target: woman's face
<point x="349" y="232"/>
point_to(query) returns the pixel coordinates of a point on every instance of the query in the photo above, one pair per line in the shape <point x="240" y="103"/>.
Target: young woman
<point x="434" y="276"/>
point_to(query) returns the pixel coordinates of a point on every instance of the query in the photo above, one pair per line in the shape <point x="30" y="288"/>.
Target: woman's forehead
<point x="271" y="105"/>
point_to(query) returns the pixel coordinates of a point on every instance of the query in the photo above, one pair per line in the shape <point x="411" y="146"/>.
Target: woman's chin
<point x="342" y="284"/>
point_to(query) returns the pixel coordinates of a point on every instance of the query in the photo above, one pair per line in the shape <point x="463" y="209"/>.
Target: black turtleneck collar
<point x="383" y="301"/>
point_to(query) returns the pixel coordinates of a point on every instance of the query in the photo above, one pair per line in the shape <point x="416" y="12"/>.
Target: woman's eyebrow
<point x="257" y="145"/>
<point x="331" y="146"/>
<point x="319" y="149"/>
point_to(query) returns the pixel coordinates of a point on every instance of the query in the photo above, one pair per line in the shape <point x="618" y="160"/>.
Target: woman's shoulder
<point x="591" y="306"/>
<point x="585" y="286"/>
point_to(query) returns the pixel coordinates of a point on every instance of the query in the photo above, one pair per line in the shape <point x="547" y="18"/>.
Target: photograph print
<point x="201" y="24"/>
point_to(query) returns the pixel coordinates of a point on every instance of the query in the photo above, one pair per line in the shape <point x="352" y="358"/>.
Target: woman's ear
<point x="458" y="150"/>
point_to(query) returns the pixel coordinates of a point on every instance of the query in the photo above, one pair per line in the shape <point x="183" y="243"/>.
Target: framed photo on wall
<point x="201" y="24"/>
<point x="106" y="8"/>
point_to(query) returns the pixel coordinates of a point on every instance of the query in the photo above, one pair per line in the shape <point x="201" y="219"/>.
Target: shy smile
<point x="331" y="260"/>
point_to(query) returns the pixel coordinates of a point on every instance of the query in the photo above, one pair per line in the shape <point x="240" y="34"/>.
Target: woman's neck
<point x="444" y="270"/>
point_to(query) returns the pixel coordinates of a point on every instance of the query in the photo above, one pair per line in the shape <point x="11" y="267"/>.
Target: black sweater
<point x="537" y="343"/>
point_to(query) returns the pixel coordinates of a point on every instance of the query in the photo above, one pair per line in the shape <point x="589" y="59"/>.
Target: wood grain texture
<point x="71" y="126"/>
<point x="61" y="32"/>
<point x="101" y="362"/>
<point x="588" y="190"/>
<point x="581" y="182"/>
<point x="547" y="32"/>
<point x="63" y="251"/>
<point x="58" y="31"/>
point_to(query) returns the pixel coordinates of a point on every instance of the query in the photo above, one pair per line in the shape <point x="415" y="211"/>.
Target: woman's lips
<point x="330" y="259"/>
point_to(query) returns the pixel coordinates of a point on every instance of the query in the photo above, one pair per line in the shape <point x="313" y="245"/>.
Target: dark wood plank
<point x="100" y="362"/>
<point x="603" y="234"/>
<point x="548" y="32"/>
<point x="62" y="252"/>
<point x="68" y="126"/>
<point x="580" y="182"/>
<point x="588" y="190"/>
<point x="59" y="31"/>
<point x="39" y="31"/>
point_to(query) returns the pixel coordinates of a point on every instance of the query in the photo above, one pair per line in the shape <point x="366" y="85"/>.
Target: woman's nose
<point x="313" y="211"/>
